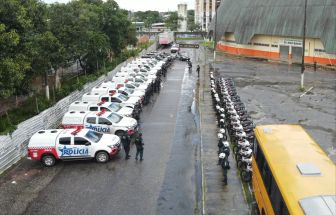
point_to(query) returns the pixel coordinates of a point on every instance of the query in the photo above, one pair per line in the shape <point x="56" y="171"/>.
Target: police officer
<point x="198" y="70"/>
<point x="223" y="161"/>
<point x="126" y="141"/>
<point x="139" y="146"/>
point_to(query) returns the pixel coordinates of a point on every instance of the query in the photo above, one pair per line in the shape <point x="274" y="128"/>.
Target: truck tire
<point x="48" y="160"/>
<point x="102" y="157"/>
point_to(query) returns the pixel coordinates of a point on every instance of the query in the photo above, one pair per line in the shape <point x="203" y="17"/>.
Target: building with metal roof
<point x="273" y="29"/>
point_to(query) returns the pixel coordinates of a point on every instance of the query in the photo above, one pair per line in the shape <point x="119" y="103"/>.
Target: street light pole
<point x="303" y="45"/>
<point x="215" y="30"/>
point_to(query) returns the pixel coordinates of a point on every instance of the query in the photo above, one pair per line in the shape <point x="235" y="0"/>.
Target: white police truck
<point x="104" y="122"/>
<point x="48" y="146"/>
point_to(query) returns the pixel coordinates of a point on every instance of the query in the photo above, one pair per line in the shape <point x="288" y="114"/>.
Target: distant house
<point x="139" y="26"/>
<point x="159" y="27"/>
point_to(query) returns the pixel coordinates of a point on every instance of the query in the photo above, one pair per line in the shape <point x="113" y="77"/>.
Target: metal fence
<point x="14" y="146"/>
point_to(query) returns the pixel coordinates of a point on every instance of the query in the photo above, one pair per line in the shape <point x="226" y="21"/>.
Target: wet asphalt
<point x="166" y="182"/>
<point x="271" y="94"/>
<point x="180" y="147"/>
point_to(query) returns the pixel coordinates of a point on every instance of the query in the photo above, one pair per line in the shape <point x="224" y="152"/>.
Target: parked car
<point x="104" y="122"/>
<point x="48" y="146"/>
<point x="101" y="106"/>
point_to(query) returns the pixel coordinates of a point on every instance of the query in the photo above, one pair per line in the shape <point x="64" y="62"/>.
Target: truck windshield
<point x="93" y="136"/>
<point x="114" y="107"/>
<point x="130" y="86"/>
<point x="115" y="118"/>
<point x="129" y="91"/>
<point x="123" y="97"/>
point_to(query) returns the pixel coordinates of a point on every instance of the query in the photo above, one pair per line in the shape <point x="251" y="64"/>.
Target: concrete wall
<point x="14" y="146"/>
<point x="183" y="13"/>
<point x="265" y="46"/>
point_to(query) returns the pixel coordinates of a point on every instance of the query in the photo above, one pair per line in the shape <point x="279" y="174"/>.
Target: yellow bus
<point x="291" y="173"/>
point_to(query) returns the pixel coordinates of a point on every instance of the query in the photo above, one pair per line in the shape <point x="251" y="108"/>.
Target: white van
<point x="102" y="106"/>
<point x="104" y="122"/>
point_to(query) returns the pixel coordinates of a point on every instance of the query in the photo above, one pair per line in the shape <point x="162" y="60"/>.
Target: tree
<point x="192" y="26"/>
<point x="172" y="21"/>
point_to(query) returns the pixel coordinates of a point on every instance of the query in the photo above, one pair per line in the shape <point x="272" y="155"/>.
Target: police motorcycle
<point x="244" y="152"/>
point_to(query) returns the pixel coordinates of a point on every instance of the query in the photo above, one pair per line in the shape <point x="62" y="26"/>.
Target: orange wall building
<point x="272" y="29"/>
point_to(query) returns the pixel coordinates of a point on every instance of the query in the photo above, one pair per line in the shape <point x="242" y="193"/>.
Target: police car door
<point x="82" y="148"/>
<point x="64" y="147"/>
<point x="105" y="125"/>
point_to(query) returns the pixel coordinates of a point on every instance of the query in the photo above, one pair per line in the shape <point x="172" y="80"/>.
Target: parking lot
<point x="179" y="174"/>
<point x="164" y="183"/>
<point x="272" y="95"/>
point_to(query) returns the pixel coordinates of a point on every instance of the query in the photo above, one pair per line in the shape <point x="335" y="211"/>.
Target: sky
<point x="136" y="5"/>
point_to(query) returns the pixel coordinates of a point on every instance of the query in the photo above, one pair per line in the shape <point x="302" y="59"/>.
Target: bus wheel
<point x="245" y="176"/>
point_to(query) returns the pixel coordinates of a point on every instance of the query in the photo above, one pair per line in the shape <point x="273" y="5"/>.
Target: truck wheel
<point x="120" y="133"/>
<point x="102" y="157"/>
<point x="48" y="160"/>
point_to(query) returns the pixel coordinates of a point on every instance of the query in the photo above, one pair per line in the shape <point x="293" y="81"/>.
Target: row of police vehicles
<point x="93" y="125"/>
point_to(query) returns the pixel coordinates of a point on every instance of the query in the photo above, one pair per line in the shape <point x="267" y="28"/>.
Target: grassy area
<point x="208" y="44"/>
<point x="38" y="103"/>
<point x="190" y="38"/>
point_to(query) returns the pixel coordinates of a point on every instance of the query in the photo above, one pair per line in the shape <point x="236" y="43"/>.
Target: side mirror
<point x="88" y="144"/>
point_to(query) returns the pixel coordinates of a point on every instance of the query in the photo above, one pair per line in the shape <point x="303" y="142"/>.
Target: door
<point x="105" y="126"/>
<point x="297" y="54"/>
<point x="82" y="148"/>
<point x="284" y="52"/>
<point x="63" y="147"/>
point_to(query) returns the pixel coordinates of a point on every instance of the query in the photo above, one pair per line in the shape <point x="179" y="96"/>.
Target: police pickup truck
<point x="104" y="122"/>
<point x="132" y="102"/>
<point x="101" y="106"/>
<point x="48" y="146"/>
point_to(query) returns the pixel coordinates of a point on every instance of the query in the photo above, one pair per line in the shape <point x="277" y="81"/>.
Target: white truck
<point x="132" y="102"/>
<point x="103" y="122"/>
<point x="101" y="106"/>
<point x="48" y="146"/>
<point x="128" y="84"/>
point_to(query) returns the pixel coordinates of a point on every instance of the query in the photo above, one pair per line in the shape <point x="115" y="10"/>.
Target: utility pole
<point x="303" y="45"/>
<point x="215" y="32"/>
<point x="46" y="85"/>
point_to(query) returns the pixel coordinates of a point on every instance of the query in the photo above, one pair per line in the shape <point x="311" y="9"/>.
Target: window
<point x="261" y="44"/>
<point x="80" y="141"/>
<point x="230" y="41"/>
<point x="65" y="141"/>
<point x="274" y="46"/>
<point x="103" y="121"/>
<point x="260" y="159"/>
<point x="319" y="50"/>
<point x="115" y="100"/>
<point x="105" y="99"/>
<point x="93" y="108"/>
<point x="91" y="120"/>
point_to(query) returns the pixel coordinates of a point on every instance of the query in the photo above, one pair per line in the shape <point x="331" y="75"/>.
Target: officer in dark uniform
<point x="139" y="144"/>
<point x="223" y="161"/>
<point x="198" y="70"/>
<point x="126" y="141"/>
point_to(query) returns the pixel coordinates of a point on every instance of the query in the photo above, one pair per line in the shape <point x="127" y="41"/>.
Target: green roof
<point x="247" y="18"/>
